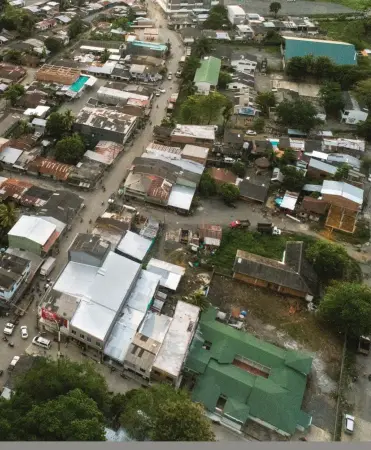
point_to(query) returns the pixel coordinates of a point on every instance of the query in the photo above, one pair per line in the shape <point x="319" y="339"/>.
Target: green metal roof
<point x="276" y="399"/>
<point x="340" y="52"/>
<point x="208" y="72"/>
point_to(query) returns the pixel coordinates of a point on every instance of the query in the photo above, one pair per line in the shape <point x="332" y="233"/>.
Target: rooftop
<point x="12" y="268"/>
<point x="90" y="244"/>
<point x="105" y="118"/>
<point x="195" y="131"/>
<point x="34" y="228"/>
<point x="343" y="189"/>
<point x="134" y="246"/>
<point x="209" y="70"/>
<point x="174" y="349"/>
<point x="253" y="191"/>
<point x="171" y="274"/>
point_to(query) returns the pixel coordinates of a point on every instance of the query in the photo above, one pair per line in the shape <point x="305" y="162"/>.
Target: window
<point x="156" y="372"/>
<point x="220" y="404"/>
<point x="142" y="370"/>
<point x="82" y="336"/>
<point x="140" y="354"/>
<point x="169" y="379"/>
<point x="98" y="344"/>
<point x="73" y="332"/>
<point x="134" y="349"/>
<point x="144" y="338"/>
<point x="88" y="338"/>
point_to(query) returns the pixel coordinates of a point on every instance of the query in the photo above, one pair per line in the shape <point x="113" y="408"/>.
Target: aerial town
<point x="185" y="206"/>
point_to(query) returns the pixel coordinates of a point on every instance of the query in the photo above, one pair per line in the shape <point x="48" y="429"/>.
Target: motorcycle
<point x="5" y="339"/>
<point x="10" y="344"/>
<point x="1" y="372"/>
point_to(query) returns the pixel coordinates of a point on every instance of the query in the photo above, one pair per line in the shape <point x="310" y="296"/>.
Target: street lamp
<point x="59" y="339"/>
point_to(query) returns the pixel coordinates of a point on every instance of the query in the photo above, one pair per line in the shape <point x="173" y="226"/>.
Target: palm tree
<point x="202" y="47"/>
<point x="8" y="215"/>
<point x="69" y="119"/>
<point x="198" y="298"/>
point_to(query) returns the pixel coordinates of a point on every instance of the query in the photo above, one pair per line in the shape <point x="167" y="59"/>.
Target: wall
<point x="340" y="201"/>
<point x="85" y="258"/>
<point x="8" y="294"/>
<point x="203" y="88"/>
<point x="353" y="117"/>
<point x="24" y="244"/>
<point x="94" y="343"/>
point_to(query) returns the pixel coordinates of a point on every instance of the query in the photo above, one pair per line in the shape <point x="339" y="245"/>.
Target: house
<point x="292" y="276"/>
<point x="57" y="74"/>
<point x="10" y="74"/>
<point x="195" y="153"/>
<point x="253" y="18"/>
<point x="61" y="208"/>
<point x="207" y="75"/>
<point x="168" y="364"/>
<point x="313" y="208"/>
<point x="170" y="274"/>
<point x="190" y="35"/>
<point x="89" y="249"/>
<point x="341" y="53"/>
<point x="202" y="135"/>
<point x="249" y="381"/>
<point x="134" y="246"/>
<point x="107" y="124"/>
<point x="320" y="169"/>
<point x="39" y="125"/>
<point x="34" y="234"/>
<point x="342" y="194"/>
<point x="14" y="271"/>
<point x="252" y="191"/>
<point x="46" y="24"/>
<point x="210" y="235"/>
<point x="244" y="62"/>
<point x="353" y="112"/>
<point x="221" y="176"/>
<point x="236" y="15"/>
<point x="242" y="82"/>
<point x="245" y="33"/>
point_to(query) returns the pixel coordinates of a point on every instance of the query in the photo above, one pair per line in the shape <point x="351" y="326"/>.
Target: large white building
<point x="236" y="14"/>
<point x="186" y="6"/>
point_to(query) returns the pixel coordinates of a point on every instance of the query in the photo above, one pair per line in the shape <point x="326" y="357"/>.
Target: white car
<point x="162" y="91"/>
<point x="251" y="133"/>
<point x="13" y="362"/>
<point x="169" y="77"/>
<point x="158" y="93"/>
<point x="24" y="332"/>
<point x="349" y="424"/>
<point x="9" y="328"/>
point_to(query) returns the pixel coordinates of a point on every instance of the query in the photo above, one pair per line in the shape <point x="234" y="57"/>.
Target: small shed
<point x="134" y="246"/>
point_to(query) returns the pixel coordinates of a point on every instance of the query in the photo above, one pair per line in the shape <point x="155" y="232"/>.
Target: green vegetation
<point x="8" y="215"/>
<point x="13" y="93"/>
<point x="218" y="19"/>
<point x="53" y="45"/>
<point x="253" y="242"/>
<point x="230" y="193"/>
<point x="298" y="113"/>
<point x="161" y="413"/>
<point x="199" y="299"/>
<point x="201" y="109"/>
<point x="76" y="27"/>
<point x="224" y="79"/>
<point x="331" y="97"/>
<point x="70" y="149"/>
<point x="259" y="125"/>
<point x="201" y="47"/>
<point x="353" y="31"/>
<point x="362" y="91"/>
<point x="238" y="168"/>
<point x="207" y="186"/>
<point x="59" y="124"/>
<point x="347" y="307"/>
<point x="17" y="19"/>
<point x="265" y="100"/>
<point x="274" y="8"/>
<point x="342" y="172"/>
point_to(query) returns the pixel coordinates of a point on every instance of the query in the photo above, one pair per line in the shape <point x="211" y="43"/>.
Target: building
<point x="105" y="124"/>
<point x="341" y="53"/>
<point x="57" y="74"/>
<point x="320" y="169"/>
<point x="89" y="249"/>
<point x="244" y="62"/>
<point x="134" y="246"/>
<point x="169" y="361"/>
<point x="170" y="274"/>
<point x="236" y="14"/>
<point x="245" y="33"/>
<point x="207" y="75"/>
<point x="10" y="74"/>
<point x="146" y="345"/>
<point x="195" y="153"/>
<point x="34" y="234"/>
<point x="185" y="7"/>
<point x="221" y="176"/>
<point x="241" y="379"/>
<point x="210" y="235"/>
<point x="14" y="271"/>
<point x="342" y="194"/>
<point x="46" y="24"/>
<point x="313" y="208"/>
<point x="202" y="135"/>
<point x="253" y="192"/>
<point x="292" y="276"/>
<point x="353" y="112"/>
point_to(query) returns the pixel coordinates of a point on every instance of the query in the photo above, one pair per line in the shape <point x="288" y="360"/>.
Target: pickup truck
<point x="268" y="228"/>
<point x="240" y="224"/>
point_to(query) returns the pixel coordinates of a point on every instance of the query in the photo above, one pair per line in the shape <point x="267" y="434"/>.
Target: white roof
<point x="342" y="158"/>
<point x="124" y="95"/>
<point x="342" y="189"/>
<point x="106" y="68"/>
<point x="319" y="155"/>
<point x="134" y="245"/>
<point x="291" y="38"/>
<point x="195" y="151"/>
<point x="171" y="274"/>
<point x="10" y="155"/>
<point x="236" y="10"/>
<point x="289" y="200"/>
<point x="322" y="166"/>
<point x="91" y="81"/>
<point x="155" y="326"/>
<point x="181" y="197"/>
<point x="39" y="122"/>
<point x="76" y="279"/>
<point x="94" y="156"/>
<point x="174" y="349"/>
<point x="34" y="228"/>
<point x="197" y="131"/>
<point x="185" y="164"/>
<point x="39" y="111"/>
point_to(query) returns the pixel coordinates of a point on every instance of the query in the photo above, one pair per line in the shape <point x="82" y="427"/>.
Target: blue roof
<point x="150" y="45"/>
<point x="340" y="52"/>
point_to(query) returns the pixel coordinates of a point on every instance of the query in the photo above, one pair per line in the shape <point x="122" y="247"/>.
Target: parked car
<point x="158" y="93"/>
<point x="240" y="224"/>
<point x="251" y="133"/>
<point x="24" y="332"/>
<point x="178" y="73"/>
<point x="9" y="328"/>
<point x="162" y="91"/>
<point x="13" y="362"/>
<point x="349" y="424"/>
<point x="42" y="342"/>
<point x="169" y="77"/>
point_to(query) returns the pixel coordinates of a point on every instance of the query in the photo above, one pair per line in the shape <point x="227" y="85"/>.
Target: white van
<point x="42" y="342"/>
<point x="47" y="267"/>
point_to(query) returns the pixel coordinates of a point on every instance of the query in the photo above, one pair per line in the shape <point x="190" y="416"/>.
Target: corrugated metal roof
<point x="342" y="189"/>
<point x="289" y="200"/>
<point x="171" y="274"/>
<point x="181" y="197"/>
<point x="134" y="245"/>
<point x="322" y="166"/>
<point x="209" y="70"/>
<point x="34" y="228"/>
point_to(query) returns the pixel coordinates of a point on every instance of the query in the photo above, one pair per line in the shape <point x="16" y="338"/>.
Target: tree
<point x="13" y="93"/>
<point x="8" y="215"/>
<point x="227" y="111"/>
<point x="121" y="22"/>
<point x="238" y="168"/>
<point x="218" y="18"/>
<point x="347" y="307"/>
<point x="294" y="179"/>
<point x="207" y="186"/>
<point x="53" y="45"/>
<point x="331" y="262"/>
<point x="70" y="149"/>
<point x="75" y="28"/>
<point x="331" y="97"/>
<point x="202" y="47"/>
<point x="259" y="125"/>
<point x="189" y="69"/>
<point x="363" y="92"/>
<point x="58" y="124"/>
<point x="298" y="113"/>
<point x="342" y="172"/>
<point x="274" y="7"/>
<point x="13" y="56"/>
<point x="296" y="68"/>
<point x="161" y="413"/>
<point x="265" y="100"/>
<point x="70" y="417"/>
<point x="202" y="109"/>
<point x="364" y="129"/>
<point x="229" y="193"/>
<point x="289" y="157"/>
<point x="199" y="299"/>
<point x="105" y="56"/>
<point x="224" y="79"/>
<point x="131" y="15"/>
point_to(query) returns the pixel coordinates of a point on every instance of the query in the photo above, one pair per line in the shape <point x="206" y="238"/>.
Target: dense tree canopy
<point x="59" y="124"/>
<point x="265" y="100"/>
<point x="274" y="7"/>
<point x="8" y="215"/>
<point x="331" y="97"/>
<point x="76" y="27"/>
<point x="161" y="413"/>
<point x="54" y="45"/>
<point x="224" y="79"/>
<point x="332" y="262"/>
<point x="298" y="113"/>
<point x="207" y="186"/>
<point x="189" y="69"/>
<point x="14" y="92"/>
<point x="347" y="307"/>
<point x="17" y="19"/>
<point x="294" y="179"/>
<point x="218" y="18"/>
<point x="201" y="47"/>
<point x="229" y="193"/>
<point x="363" y="92"/>
<point x="201" y="109"/>
<point x="70" y="149"/>
<point x="364" y="129"/>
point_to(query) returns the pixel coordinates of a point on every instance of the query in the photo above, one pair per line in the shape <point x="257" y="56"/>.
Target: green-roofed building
<point x="207" y="75"/>
<point x="239" y="378"/>
<point x="341" y="53"/>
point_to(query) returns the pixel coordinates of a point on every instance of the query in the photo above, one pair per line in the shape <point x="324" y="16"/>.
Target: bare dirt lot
<point x="285" y="321"/>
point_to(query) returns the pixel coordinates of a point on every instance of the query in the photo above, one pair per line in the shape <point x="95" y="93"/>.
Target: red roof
<point x="50" y="242"/>
<point x="223" y="175"/>
<point x="13" y="188"/>
<point x="50" y="167"/>
<point x="159" y="188"/>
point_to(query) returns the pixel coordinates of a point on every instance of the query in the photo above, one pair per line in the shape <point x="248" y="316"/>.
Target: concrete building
<point x="236" y="14"/>
<point x="342" y="194"/>
<point x="292" y="276"/>
<point x="14" y="271"/>
<point x="106" y="124"/>
<point x="181" y="6"/>
<point x="244" y="62"/>
<point x="354" y="112"/>
<point x="57" y="74"/>
<point x="89" y="249"/>
<point x="202" y="135"/>
<point x="207" y="75"/>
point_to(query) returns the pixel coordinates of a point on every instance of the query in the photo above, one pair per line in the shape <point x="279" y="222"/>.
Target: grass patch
<point x="263" y="245"/>
<point x="359" y="5"/>
<point x="348" y="30"/>
<point x="359" y="237"/>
